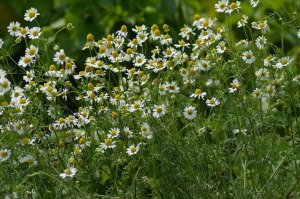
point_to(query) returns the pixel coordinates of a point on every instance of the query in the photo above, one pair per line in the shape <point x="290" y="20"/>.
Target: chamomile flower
<point x="233" y="6"/>
<point x="133" y="149"/>
<point x="198" y="94"/>
<point x="261" y="42"/>
<point x="127" y="132"/>
<point x="145" y="131"/>
<point x="221" y="47"/>
<point x="34" y="33"/>
<point x="113" y="133"/>
<point x="14" y="28"/>
<point x="248" y="57"/>
<point x="4" y="154"/>
<point x="139" y="60"/>
<point x="282" y="62"/>
<point x="190" y="112"/>
<point x="296" y="79"/>
<point x="23" y="32"/>
<point x="172" y="87"/>
<point x="221" y="6"/>
<point x="137" y="105"/>
<point x="254" y="3"/>
<point x="5" y="85"/>
<point x="26" y="60"/>
<point x="235" y="84"/>
<point x="212" y="102"/>
<point x="262" y="74"/>
<point x="29" y="159"/>
<point x="69" y="172"/>
<point x="162" y="89"/>
<point x="31" y="14"/>
<point x="270" y="90"/>
<point x="159" y="110"/>
<point x="60" y="57"/>
<point x="32" y="51"/>
<point x="269" y="60"/>
<point x="107" y="144"/>
<point x="243" y="21"/>
<point x="257" y="93"/>
<point x="204" y="65"/>
<point x="29" y="76"/>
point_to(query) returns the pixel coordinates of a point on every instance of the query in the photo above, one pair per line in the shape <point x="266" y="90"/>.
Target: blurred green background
<point x="101" y="17"/>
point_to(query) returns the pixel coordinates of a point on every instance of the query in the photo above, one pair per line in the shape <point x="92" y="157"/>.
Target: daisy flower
<point x="198" y="93"/>
<point x="248" y="57"/>
<point x="23" y="32"/>
<point x="145" y="131"/>
<point x="233" y="6"/>
<point x="269" y="60"/>
<point x="31" y="51"/>
<point x="139" y="60"/>
<point x="190" y="112"/>
<point x="243" y="21"/>
<point x="297" y="79"/>
<point x="221" y="6"/>
<point x="132" y="150"/>
<point x="212" y="102"/>
<point x="113" y="133"/>
<point x="30" y="160"/>
<point x="270" y="90"/>
<point x="69" y="172"/>
<point x="256" y="93"/>
<point x="26" y="60"/>
<point x="31" y="14"/>
<point x="254" y="3"/>
<point x="108" y="144"/>
<point x="60" y="57"/>
<point x="137" y="105"/>
<point x="235" y="84"/>
<point x="221" y="47"/>
<point x="172" y="87"/>
<point x="260" y="42"/>
<point x="5" y="85"/>
<point x="159" y="110"/>
<point x="128" y="133"/>
<point x="14" y="28"/>
<point x="34" y="33"/>
<point x="4" y="154"/>
<point x="262" y="73"/>
<point x="284" y="61"/>
<point x="162" y="89"/>
<point x="204" y="65"/>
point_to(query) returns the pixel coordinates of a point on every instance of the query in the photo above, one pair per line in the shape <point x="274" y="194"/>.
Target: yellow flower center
<point x="68" y="171"/>
<point x="27" y="59"/>
<point x="283" y="62"/>
<point x="133" y="149"/>
<point x="31" y="14"/>
<point x="61" y="121"/>
<point x="233" y="6"/>
<point x="198" y="91"/>
<point x="3" y="154"/>
<point x="189" y="111"/>
<point x="159" y="109"/>
<point x="4" y="84"/>
<point x="136" y="105"/>
<point x="108" y="142"/>
<point x="22" y="101"/>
